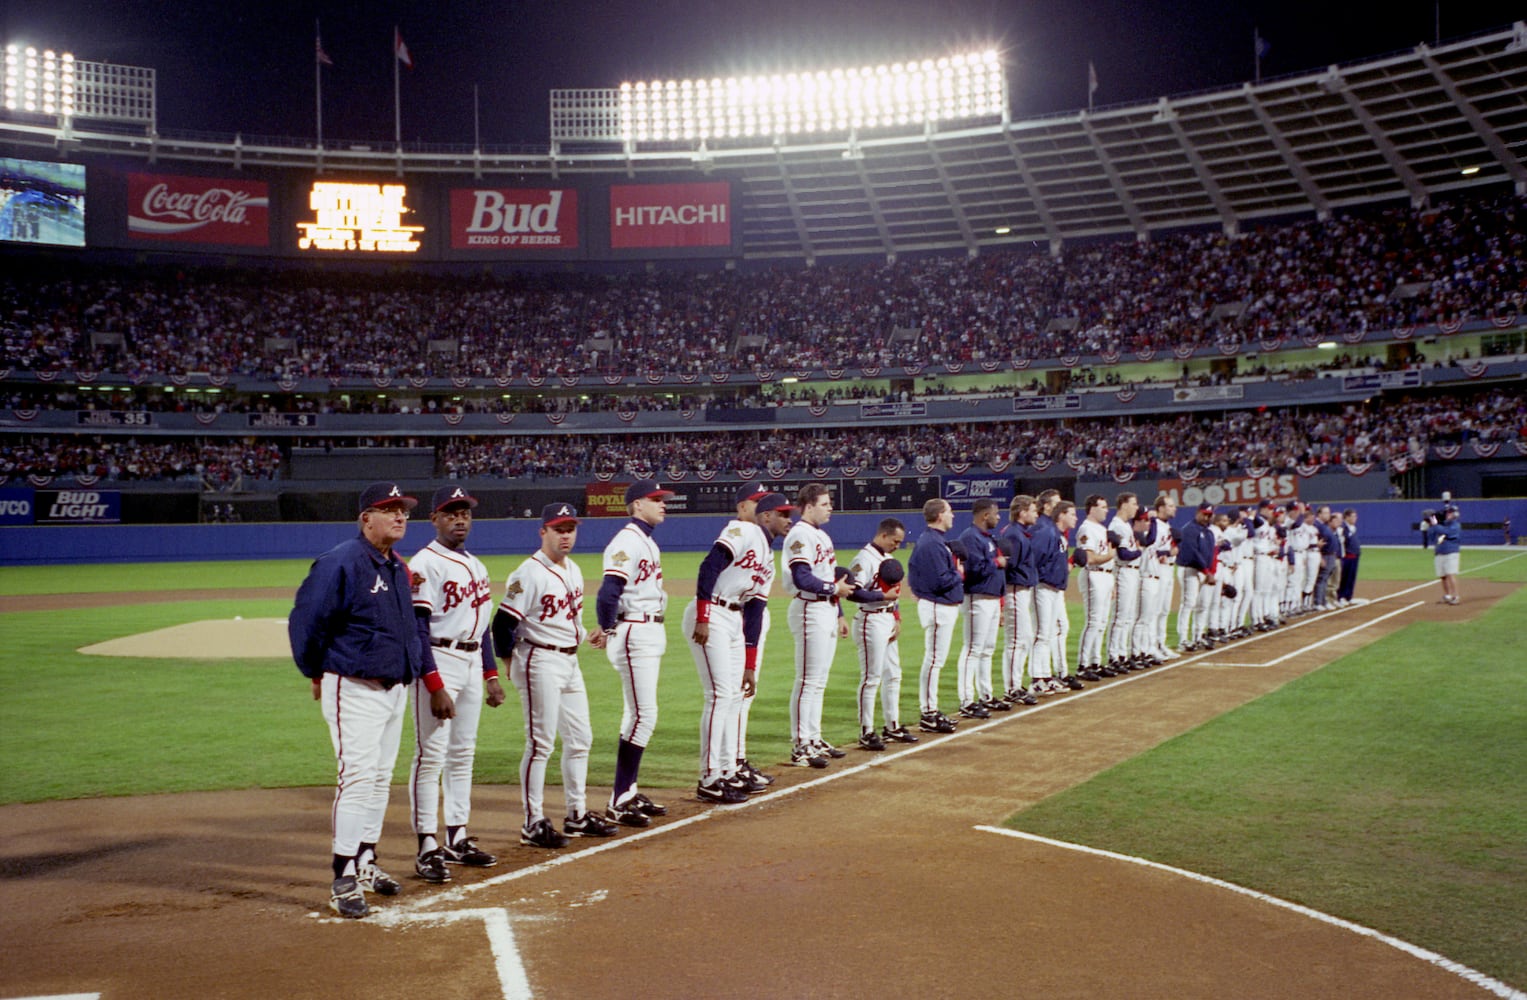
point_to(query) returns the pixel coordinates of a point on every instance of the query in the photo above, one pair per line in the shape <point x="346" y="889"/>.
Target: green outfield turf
<point x="1387" y="788"/>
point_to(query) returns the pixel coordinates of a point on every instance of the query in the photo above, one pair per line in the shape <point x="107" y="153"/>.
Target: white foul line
<point x="513" y="981"/>
<point x="1316" y="645"/>
<point x="1479" y="979"/>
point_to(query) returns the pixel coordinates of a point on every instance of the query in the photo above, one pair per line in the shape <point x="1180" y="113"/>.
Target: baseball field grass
<point x="1387" y="788"/>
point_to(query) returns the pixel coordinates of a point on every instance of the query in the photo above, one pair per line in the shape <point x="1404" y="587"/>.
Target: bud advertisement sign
<point x="198" y="210"/>
<point x="514" y="218"/>
<point x="1235" y="490"/>
<point x="77" y="506"/>
<point x="649" y="216"/>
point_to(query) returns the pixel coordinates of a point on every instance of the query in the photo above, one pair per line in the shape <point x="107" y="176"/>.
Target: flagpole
<point x="1256" y="52"/>
<point x="318" y="82"/>
<point x="476" y="121"/>
<point x="397" y="104"/>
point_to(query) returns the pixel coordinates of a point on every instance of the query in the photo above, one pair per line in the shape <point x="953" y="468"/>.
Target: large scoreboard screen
<point x="42" y="202"/>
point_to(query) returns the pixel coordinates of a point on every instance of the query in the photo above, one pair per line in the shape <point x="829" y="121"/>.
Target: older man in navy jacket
<point x="1196" y="555"/>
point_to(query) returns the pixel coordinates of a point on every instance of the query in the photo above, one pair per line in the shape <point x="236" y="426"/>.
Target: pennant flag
<point x="400" y="50"/>
<point x="1262" y="45"/>
<point x="1092" y="78"/>
<point x="319" y="53"/>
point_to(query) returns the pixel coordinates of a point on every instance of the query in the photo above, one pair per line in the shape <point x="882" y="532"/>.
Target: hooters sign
<point x="198" y="210"/>
<point x="650" y="216"/>
<point x="514" y="218"/>
<point x="1236" y="490"/>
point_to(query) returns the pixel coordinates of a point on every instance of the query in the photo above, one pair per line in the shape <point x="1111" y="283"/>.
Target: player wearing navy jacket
<point x="1018" y="605"/>
<point x="985" y="579"/>
<point x="935" y="578"/>
<point x="1351" y="551"/>
<point x="1054" y="570"/>
<point x="1195" y="554"/>
<point x="354" y="635"/>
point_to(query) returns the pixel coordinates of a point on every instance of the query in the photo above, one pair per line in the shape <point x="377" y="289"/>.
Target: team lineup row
<point x="367" y="627"/>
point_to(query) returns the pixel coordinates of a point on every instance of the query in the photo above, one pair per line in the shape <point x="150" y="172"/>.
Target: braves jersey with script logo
<point x="454" y="587"/>
<point x="865" y="568"/>
<point x="1265" y="539"/>
<point x="806" y="543"/>
<point x="633" y="556"/>
<point x="548" y="601"/>
<point x="1117" y="528"/>
<point x="750" y="574"/>
<point x="1093" y="537"/>
<point x="1303" y="537"/>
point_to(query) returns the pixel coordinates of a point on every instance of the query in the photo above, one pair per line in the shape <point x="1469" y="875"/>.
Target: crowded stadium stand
<point x="1289" y="277"/>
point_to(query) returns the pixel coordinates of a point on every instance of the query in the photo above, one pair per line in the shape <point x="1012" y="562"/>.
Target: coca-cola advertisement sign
<point x="647" y="216"/>
<point x="198" y="210"/>
<point x="514" y="218"/>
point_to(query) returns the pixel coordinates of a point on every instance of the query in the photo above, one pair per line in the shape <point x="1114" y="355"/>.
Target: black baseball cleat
<point x="542" y="834"/>
<point x="823" y="747"/>
<point x="720" y="791"/>
<point x="1088" y="674"/>
<point x="346" y="898"/>
<point x="588" y="824"/>
<point x="627" y="813"/>
<point x="974" y="711"/>
<point x="1073" y="682"/>
<point x="649" y="807"/>
<point x="936" y="722"/>
<point x="466" y="852"/>
<point x="744" y="766"/>
<point x="371" y="878"/>
<point x="806" y="756"/>
<point x="1022" y="696"/>
<point x="897" y="734"/>
<point x="430" y="866"/>
<point x="749" y="782"/>
<point x="870" y="740"/>
<point x="996" y="705"/>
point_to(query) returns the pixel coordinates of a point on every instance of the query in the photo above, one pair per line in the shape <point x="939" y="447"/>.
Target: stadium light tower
<point x="59" y="86"/>
<point x="822" y="104"/>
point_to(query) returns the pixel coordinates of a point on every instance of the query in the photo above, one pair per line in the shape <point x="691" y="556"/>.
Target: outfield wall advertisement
<point x="667" y="216"/>
<point x="173" y="209"/>
<point x="514" y="218"/>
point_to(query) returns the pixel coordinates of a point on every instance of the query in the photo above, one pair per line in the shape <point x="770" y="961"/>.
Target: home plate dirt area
<point x="871" y="878"/>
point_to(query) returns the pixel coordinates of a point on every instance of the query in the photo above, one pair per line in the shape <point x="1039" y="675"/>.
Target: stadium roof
<point x="1412" y="125"/>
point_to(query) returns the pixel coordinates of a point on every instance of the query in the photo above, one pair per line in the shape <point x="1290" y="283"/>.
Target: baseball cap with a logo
<point x="451" y="496"/>
<point x="554" y="514"/>
<point x="751" y="491"/>
<point x="384" y="494"/>
<point x="774" y="501"/>
<point x="645" y="489"/>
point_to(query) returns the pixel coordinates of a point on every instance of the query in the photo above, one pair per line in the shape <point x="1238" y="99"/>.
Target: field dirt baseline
<point x="873" y="876"/>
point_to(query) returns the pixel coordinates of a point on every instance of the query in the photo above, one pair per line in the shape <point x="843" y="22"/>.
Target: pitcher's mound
<point x="215" y="639"/>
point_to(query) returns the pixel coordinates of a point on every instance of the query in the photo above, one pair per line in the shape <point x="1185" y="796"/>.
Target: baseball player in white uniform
<point x="875" y="630"/>
<point x="815" y="621"/>
<point x="1097" y="585"/>
<point x="1128" y="558"/>
<point x="630" y="610"/>
<point x="453" y="601"/>
<point x="538" y="628"/>
<point x="1305" y="540"/>
<point x="1164" y="557"/>
<point x="1267" y="577"/>
<point x="724" y="624"/>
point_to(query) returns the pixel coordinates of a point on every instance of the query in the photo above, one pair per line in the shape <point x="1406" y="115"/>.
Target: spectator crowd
<point x="1370" y="269"/>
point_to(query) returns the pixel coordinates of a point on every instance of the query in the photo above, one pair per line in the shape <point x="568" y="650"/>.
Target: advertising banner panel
<point x="963" y="491"/>
<point x="16" y="506"/>
<point x="652" y="216"/>
<point x="173" y="209"/>
<point x="514" y="218"/>
<point x="78" y="507"/>
<point x="1234" y="490"/>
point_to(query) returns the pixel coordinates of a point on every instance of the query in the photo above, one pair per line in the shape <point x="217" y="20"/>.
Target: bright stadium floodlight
<point x="39" y="82"/>
<point x="968" y="85"/>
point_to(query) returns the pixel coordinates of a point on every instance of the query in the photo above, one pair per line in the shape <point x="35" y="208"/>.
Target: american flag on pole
<point x="319" y="53"/>
<point x="401" y="50"/>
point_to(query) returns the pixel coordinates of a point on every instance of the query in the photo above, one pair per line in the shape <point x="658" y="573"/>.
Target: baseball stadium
<point x="1096" y="533"/>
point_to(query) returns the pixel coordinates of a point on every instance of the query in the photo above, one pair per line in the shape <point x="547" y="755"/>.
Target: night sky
<point x="229" y="67"/>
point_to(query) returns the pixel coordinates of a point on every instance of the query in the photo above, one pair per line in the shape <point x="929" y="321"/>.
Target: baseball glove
<point x="1228" y="589"/>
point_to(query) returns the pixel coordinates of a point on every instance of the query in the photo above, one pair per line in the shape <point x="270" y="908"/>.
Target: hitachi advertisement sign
<point x="650" y="216"/>
<point x="514" y="218"/>
<point x="198" y="210"/>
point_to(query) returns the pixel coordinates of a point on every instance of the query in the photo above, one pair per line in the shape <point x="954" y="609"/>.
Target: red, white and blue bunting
<point x="571" y="380"/>
<point x="505" y="418"/>
<point x="536" y="380"/>
<point x="959" y="468"/>
<point x="1127" y="395"/>
<point x="417" y="381"/>
<point x="617" y="379"/>
<point x="556" y="418"/>
<point x="454" y="419"/>
<point x="1000" y="464"/>
<point x="1448" y="451"/>
<point x="1145" y="354"/>
<point x="891" y="468"/>
<point x="1504" y="322"/>
<point x="1359" y="468"/>
<point x="206" y="419"/>
<point x="1306" y="471"/>
<point x="1183" y="351"/>
<point x="1484" y="450"/>
<point x="1450" y="326"/>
